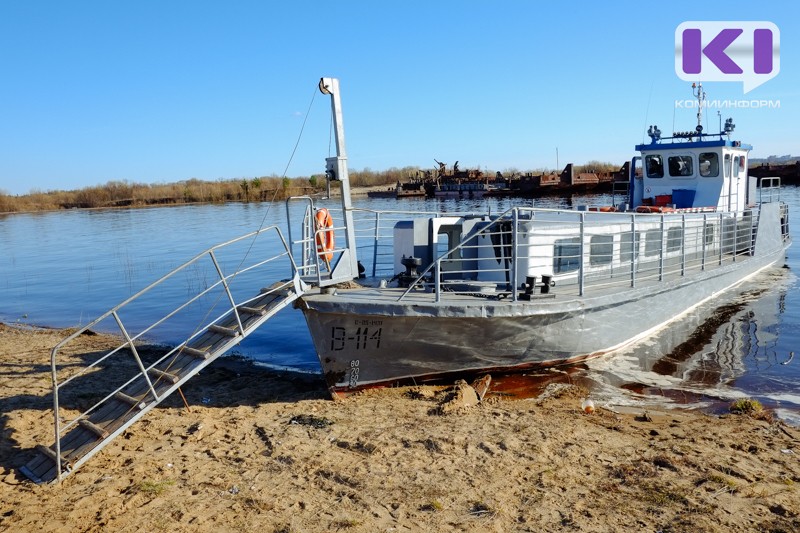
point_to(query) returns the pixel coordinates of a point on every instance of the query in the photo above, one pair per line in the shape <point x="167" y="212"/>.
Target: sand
<point x="264" y="451"/>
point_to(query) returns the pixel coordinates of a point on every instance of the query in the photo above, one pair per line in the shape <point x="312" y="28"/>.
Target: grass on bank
<point x="261" y="189"/>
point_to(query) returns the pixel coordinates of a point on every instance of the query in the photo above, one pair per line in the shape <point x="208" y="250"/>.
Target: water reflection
<point x="724" y="349"/>
<point x="703" y="356"/>
<point x="63" y="269"/>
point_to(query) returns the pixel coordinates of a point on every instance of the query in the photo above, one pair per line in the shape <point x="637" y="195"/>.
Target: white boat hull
<point x="364" y="338"/>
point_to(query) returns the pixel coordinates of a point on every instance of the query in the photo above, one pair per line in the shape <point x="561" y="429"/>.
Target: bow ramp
<point x="129" y="380"/>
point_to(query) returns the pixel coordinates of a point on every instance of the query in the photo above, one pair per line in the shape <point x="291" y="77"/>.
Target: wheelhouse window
<point x="709" y="164"/>
<point x="727" y="165"/>
<point x="655" y="166"/>
<point x="680" y="165"/>
<point x="567" y="255"/>
<point x="601" y="249"/>
<point x="736" y="164"/>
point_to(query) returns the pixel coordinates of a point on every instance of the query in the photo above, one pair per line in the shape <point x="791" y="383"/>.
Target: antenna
<point x="700" y="94"/>
<point x="729" y="127"/>
<point x="654" y="133"/>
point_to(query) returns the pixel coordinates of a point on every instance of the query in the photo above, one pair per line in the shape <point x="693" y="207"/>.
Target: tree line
<point x="259" y="189"/>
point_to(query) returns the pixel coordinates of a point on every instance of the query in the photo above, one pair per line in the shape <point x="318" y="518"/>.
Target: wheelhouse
<point x="708" y="175"/>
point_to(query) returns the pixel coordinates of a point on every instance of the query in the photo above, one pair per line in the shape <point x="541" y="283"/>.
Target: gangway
<point x="79" y="439"/>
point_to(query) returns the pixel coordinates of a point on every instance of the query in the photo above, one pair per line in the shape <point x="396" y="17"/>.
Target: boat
<point x="413" y="188"/>
<point x="417" y="186"/>
<point x="457" y="183"/>
<point x="531" y="287"/>
<point x="393" y="297"/>
<point x="384" y="193"/>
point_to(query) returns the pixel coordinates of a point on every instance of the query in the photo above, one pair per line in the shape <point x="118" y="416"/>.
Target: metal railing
<point x="248" y="265"/>
<point x="373" y="232"/>
<point x="375" y="237"/>
<point x="769" y="189"/>
<point x="585" y="252"/>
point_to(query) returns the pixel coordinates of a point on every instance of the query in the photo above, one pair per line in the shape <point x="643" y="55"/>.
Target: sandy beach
<point x="259" y="450"/>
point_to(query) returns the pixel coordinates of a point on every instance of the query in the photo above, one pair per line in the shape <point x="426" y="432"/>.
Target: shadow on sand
<point x="230" y="381"/>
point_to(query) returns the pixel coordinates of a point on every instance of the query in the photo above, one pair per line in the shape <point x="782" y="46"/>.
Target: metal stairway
<point x="124" y="407"/>
<point x="83" y="435"/>
<point x="145" y="384"/>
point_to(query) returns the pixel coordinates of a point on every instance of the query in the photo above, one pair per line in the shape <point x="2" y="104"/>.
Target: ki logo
<point x="728" y="51"/>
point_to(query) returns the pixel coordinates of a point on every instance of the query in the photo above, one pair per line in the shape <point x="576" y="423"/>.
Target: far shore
<point x="355" y="191"/>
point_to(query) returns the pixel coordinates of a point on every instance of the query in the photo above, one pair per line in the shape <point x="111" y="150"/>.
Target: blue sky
<point x="157" y="92"/>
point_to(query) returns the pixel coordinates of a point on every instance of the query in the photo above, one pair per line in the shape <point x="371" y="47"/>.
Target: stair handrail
<point x="130" y="340"/>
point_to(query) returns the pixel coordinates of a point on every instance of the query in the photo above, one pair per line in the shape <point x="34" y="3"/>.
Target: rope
<point x="157" y="380"/>
<point x="246" y="254"/>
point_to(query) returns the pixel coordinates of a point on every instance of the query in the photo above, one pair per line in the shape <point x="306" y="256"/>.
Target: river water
<point x="63" y="269"/>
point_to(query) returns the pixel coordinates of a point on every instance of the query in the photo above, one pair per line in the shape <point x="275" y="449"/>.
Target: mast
<point x="700" y="94"/>
<point x="336" y="169"/>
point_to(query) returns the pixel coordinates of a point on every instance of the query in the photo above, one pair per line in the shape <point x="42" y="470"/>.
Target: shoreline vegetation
<point x="260" y="450"/>
<point x="121" y="194"/>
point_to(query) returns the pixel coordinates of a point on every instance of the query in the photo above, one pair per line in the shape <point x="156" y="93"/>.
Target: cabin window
<point x="709" y="164"/>
<point x="567" y="255"/>
<point x="674" y="239"/>
<point x="680" y="165"/>
<point x="629" y="241"/>
<point x="727" y="166"/>
<point x="709" y="234"/>
<point x="736" y="164"/>
<point x="655" y="166"/>
<point x="652" y="242"/>
<point x="601" y="249"/>
<point x="742" y="165"/>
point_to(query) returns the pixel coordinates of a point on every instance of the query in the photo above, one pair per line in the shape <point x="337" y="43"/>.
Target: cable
<point x="647" y="109"/>
<point x="258" y="233"/>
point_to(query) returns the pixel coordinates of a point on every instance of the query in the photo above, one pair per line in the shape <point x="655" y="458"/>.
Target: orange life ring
<point x="325" y="240"/>
<point x="654" y="209"/>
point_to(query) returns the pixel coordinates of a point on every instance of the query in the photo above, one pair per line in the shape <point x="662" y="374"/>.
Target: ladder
<point x="619" y="188"/>
<point x="83" y="436"/>
<point x="77" y="440"/>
